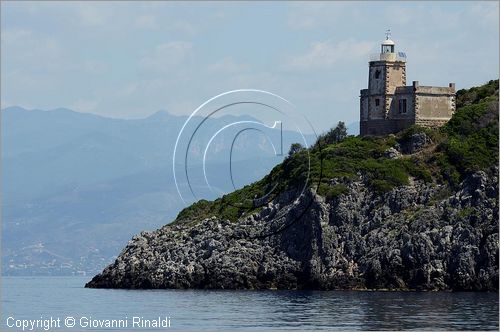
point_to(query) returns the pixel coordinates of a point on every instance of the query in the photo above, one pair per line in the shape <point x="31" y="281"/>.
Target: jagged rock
<point x="414" y="143"/>
<point x="392" y="153"/>
<point x="408" y="238"/>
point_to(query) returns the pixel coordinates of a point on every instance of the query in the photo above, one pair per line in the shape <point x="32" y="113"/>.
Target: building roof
<point x="388" y="42"/>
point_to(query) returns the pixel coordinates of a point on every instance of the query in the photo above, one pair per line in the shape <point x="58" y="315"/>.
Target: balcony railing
<point x="399" y="56"/>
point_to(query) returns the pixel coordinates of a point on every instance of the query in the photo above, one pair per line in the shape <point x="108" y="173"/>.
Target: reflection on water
<point x="31" y="298"/>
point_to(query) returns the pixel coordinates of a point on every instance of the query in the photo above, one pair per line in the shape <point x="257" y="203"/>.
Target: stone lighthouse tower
<point x="388" y="105"/>
<point x="387" y="71"/>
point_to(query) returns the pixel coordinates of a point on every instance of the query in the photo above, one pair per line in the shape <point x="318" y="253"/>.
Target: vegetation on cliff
<point x="466" y="144"/>
<point x="362" y="228"/>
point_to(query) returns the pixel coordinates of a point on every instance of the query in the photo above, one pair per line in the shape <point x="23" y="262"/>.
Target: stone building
<point x="389" y="105"/>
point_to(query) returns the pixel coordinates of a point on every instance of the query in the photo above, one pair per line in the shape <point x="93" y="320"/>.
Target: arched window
<point x="377" y="73"/>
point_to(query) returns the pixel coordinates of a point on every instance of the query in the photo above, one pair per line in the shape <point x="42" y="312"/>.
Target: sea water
<point x="39" y="300"/>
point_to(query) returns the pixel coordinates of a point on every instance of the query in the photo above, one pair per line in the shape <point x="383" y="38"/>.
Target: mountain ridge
<point x="56" y="164"/>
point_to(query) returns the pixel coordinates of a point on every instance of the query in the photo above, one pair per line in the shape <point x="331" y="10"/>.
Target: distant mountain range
<point x="77" y="186"/>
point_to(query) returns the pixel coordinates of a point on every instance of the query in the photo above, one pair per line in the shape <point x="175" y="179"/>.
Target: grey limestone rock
<point x="417" y="237"/>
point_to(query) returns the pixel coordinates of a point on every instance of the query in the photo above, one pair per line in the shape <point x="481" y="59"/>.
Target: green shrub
<point x="381" y="186"/>
<point x="330" y="192"/>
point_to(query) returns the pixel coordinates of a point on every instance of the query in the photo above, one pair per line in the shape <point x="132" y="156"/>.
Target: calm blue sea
<point x="41" y="298"/>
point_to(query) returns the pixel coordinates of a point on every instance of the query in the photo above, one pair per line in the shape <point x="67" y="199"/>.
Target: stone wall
<point x="363" y="105"/>
<point x="434" y="106"/>
<point x="380" y="111"/>
<point x="431" y="123"/>
<point x="376" y="84"/>
<point x="395" y="76"/>
<point x="402" y="93"/>
<point x="384" y="126"/>
<point x="383" y="79"/>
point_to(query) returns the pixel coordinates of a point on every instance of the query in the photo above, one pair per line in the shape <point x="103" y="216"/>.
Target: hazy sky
<point x="131" y="59"/>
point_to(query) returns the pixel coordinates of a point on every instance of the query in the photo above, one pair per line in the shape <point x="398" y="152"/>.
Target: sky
<point x="132" y="59"/>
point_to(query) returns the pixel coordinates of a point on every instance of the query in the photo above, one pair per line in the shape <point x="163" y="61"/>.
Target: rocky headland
<point x="415" y="211"/>
<point x="414" y="237"/>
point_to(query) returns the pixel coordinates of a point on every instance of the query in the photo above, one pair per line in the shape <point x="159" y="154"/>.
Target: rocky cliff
<point x="418" y="236"/>
<point x="417" y="211"/>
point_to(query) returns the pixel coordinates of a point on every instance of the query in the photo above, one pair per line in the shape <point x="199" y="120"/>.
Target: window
<point x="377" y="102"/>
<point x="402" y="106"/>
<point x="377" y="73"/>
<point x="387" y="48"/>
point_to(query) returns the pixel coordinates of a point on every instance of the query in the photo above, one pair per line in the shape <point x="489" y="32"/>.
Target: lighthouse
<point x="389" y="105"/>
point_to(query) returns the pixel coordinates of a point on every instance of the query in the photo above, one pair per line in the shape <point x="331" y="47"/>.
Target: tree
<point x="334" y="135"/>
<point x="340" y="132"/>
<point x="295" y="148"/>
